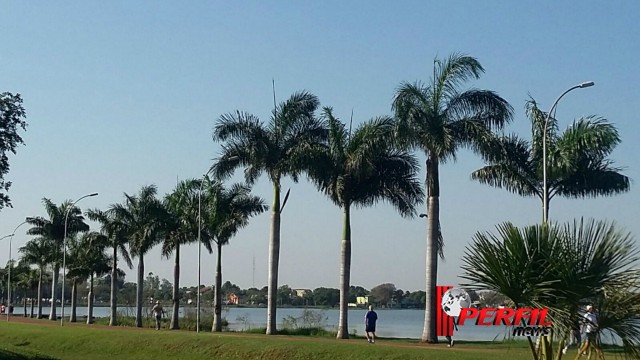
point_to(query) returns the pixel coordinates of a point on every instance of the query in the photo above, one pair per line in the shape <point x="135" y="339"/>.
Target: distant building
<point x="234" y="299"/>
<point x="362" y="300"/>
<point x="302" y="292"/>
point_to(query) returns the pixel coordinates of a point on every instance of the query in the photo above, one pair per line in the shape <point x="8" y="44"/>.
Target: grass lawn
<point x="45" y="340"/>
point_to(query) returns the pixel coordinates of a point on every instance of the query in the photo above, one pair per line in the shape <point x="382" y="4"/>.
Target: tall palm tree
<point x="226" y="212"/>
<point x="360" y="170"/>
<point x="439" y="119"/>
<point x="578" y="163"/>
<point x="117" y="238"/>
<point x="181" y="228"/>
<point x="143" y="217"/>
<point x="563" y="268"/>
<point x="279" y="149"/>
<point x="38" y="252"/>
<point x="88" y="259"/>
<point x="52" y="229"/>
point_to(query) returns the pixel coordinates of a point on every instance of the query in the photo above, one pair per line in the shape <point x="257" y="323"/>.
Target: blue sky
<point x="122" y="94"/>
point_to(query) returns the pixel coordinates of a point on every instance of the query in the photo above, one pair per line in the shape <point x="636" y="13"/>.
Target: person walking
<point x="575" y="337"/>
<point x="370" y="324"/>
<point x="591" y="330"/>
<point x="158" y="311"/>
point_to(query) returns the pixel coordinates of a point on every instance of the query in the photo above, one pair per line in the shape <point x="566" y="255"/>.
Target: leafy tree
<point x="142" y="218"/>
<point x="12" y="118"/>
<point x="279" y="149"/>
<point x="326" y="297"/>
<point x="255" y="296"/>
<point x="284" y="295"/>
<point x="563" y="268"/>
<point x="116" y="233"/>
<point x="360" y="170"/>
<point x="439" y="119"/>
<point x="355" y="292"/>
<point x="417" y="298"/>
<point x="578" y="163"/>
<point x="383" y="293"/>
<point x="228" y="287"/>
<point x="226" y="212"/>
<point x="38" y="252"/>
<point x="52" y="229"/>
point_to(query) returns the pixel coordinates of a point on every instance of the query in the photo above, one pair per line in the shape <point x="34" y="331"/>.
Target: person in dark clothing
<point x="370" y="324"/>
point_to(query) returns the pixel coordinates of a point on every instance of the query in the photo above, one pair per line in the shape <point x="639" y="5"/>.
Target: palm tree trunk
<point x="433" y="220"/>
<point x="217" y="314"/>
<point x="274" y="258"/>
<point x="176" y="290"/>
<point x="90" y="301"/>
<point x="139" y="291"/>
<point x="54" y="283"/>
<point x="74" y="303"/>
<point x="113" y="321"/>
<point x="32" y="304"/>
<point x="24" y="300"/>
<point x="40" y="294"/>
<point x="345" y="274"/>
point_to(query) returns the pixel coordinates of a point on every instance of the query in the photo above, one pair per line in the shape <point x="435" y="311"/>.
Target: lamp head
<point x="587" y="84"/>
<point x="28" y="219"/>
<point x="423" y="215"/>
<point x="94" y="194"/>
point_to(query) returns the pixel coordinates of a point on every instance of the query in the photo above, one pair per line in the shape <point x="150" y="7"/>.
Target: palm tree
<point x="279" y="149"/>
<point x="88" y="259"/>
<point x="226" y="212"/>
<point x="38" y="252"/>
<point x="117" y="238"/>
<point x="577" y="161"/>
<point x="563" y="268"/>
<point x="142" y="216"/>
<point x="52" y="229"/>
<point x="27" y="280"/>
<point x="440" y="119"/>
<point x="181" y="228"/>
<point x="360" y="170"/>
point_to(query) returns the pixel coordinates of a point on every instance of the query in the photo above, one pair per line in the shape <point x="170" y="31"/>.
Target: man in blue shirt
<point x="370" y="324"/>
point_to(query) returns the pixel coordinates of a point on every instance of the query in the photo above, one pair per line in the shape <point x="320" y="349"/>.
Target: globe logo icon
<point x="454" y="300"/>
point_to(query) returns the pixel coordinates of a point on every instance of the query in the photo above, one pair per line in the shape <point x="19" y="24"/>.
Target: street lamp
<point x="11" y="263"/>
<point x="545" y="187"/>
<point x="64" y="251"/>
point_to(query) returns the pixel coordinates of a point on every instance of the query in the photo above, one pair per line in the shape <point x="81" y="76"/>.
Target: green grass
<point x="46" y="341"/>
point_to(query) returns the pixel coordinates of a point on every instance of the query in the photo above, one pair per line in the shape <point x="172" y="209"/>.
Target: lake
<point x="393" y="323"/>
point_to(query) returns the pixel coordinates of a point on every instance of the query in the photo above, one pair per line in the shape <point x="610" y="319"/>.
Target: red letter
<point x="503" y="316"/>
<point x="542" y="317"/>
<point x="467" y="313"/>
<point x="522" y="313"/>
<point x="484" y="314"/>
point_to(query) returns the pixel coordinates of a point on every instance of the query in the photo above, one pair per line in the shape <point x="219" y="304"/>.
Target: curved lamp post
<point x="64" y="251"/>
<point x="545" y="187"/>
<point x="11" y="263"/>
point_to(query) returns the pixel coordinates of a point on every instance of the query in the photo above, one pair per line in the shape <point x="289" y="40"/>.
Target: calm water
<point x="391" y="323"/>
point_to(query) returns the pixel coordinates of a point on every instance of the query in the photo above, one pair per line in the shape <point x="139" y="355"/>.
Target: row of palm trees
<point x="374" y="162"/>
<point x="354" y="168"/>
<point x="130" y="230"/>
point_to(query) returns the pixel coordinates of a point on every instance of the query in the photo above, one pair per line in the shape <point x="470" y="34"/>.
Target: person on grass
<point x="158" y="311"/>
<point x="370" y="324"/>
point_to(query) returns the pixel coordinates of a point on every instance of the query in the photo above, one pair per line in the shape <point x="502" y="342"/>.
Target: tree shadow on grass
<point x="11" y="355"/>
